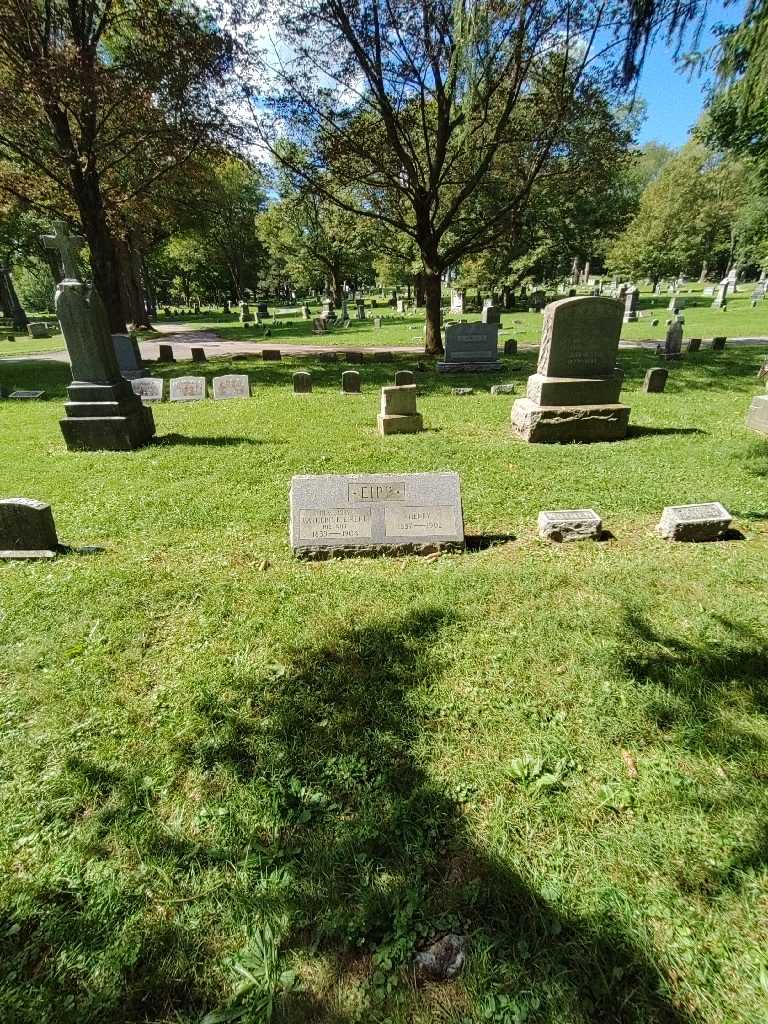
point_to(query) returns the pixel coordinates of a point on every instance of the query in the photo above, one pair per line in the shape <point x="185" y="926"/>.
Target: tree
<point x="416" y="101"/>
<point x="98" y="101"/>
<point x="687" y="215"/>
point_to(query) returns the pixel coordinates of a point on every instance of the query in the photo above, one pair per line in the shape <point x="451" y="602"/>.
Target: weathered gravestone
<point x="26" y="396"/>
<point x="27" y="529"/>
<point x="721" y="299"/>
<point x="165" y="353"/>
<point x="354" y="357"/>
<point x="360" y="309"/>
<point x="198" y="355"/>
<point x="377" y="322"/>
<point x="231" y="385"/>
<point x="574" y="395"/>
<point x="246" y="316"/>
<point x="403" y="378"/>
<point x="694" y="522"/>
<point x="718" y="344"/>
<point x="396" y="514"/>
<point x="510" y="347"/>
<point x="569" y="524"/>
<point x="350" y="382"/>
<point x="694" y="344"/>
<point x="302" y="382"/>
<point x="472" y="348"/>
<point x="491" y="315"/>
<point x="149" y="389"/>
<point x="271" y="355"/>
<point x="503" y="389"/>
<point x="128" y="355"/>
<point x="102" y="411"/>
<point x="37" y="330"/>
<point x="187" y="389"/>
<point x="673" y="342"/>
<point x="398" y="413"/>
<point x="655" y="380"/>
<point x="319" y="325"/>
<point x="457" y="301"/>
<point x="631" y="299"/>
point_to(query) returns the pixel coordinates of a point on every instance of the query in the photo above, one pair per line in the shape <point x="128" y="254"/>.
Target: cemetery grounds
<point x="234" y="786"/>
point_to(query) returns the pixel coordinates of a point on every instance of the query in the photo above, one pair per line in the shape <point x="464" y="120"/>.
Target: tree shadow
<point x="639" y="430"/>
<point x="183" y="440"/>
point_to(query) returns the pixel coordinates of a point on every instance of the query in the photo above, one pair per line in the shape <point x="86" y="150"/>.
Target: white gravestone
<point x="187" y="389"/>
<point x="694" y="522"/>
<point x="149" y="389"/>
<point x="231" y="385"/>
<point x="402" y="513"/>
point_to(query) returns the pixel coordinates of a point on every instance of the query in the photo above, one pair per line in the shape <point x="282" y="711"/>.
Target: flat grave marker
<point x="705" y="522"/>
<point x="569" y="524"/>
<point x="231" y="385"/>
<point x="26" y="396"/>
<point x="187" y="389"/>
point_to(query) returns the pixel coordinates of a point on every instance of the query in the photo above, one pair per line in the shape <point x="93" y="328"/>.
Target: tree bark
<point x="106" y="278"/>
<point x="131" y="291"/>
<point x="418" y="290"/>
<point x="433" y="342"/>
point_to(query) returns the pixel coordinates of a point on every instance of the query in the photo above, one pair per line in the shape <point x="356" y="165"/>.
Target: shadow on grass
<point x="375" y="848"/>
<point x="697" y="681"/>
<point x="638" y="430"/>
<point x="183" y="440"/>
<point x="483" y="541"/>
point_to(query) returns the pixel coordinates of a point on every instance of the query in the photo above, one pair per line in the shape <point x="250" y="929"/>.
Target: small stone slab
<point x="694" y="344"/>
<point x="502" y="389"/>
<point x="27" y="529"/>
<point x="355" y="358"/>
<point x="271" y="355"/>
<point x="694" y="522"/>
<point x="149" y="389"/>
<point x="302" y="382"/>
<point x="26" y="396"/>
<point x="37" y="330"/>
<point x="462" y="391"/>
<point x="231" y="385"/>
<point x="198" y="355"/>
<point x="395" y="514"/>
<point x="165" y="353"/>
<point x="563" y="525"/>
<point x="187" y="389"/>
<point x="757" y="416"/>
<point x="510" y="347"/>
<point x="350" y="382"/>
<point x="404" y="377"/>
<point x="655" y="380"/>
<point x="718" y="344"/>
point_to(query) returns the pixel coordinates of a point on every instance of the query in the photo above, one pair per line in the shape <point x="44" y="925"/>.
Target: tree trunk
<point x="334" y="285"/>
<point x="106" y="277"/>
<point x="131" y="290"/>
<point x="418" y="290"/>
<point x="149" y="287"/>
<point x="433" y="342"/>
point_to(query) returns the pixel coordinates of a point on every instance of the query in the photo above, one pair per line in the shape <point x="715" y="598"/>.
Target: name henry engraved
<point x="419" y="521"/>
<point x="377" y="491"/>
<point x="334" y="523"/>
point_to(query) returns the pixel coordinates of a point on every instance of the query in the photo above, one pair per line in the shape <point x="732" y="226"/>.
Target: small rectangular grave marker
<point x="404" y="377"/>
<point x="404" y="513"/>
<point x="231" y="385"/>
<point x="694" y="344"/>
<point x="398" y="411"/>
<point x="187" y="389"/>
<point x="350" y="382"/>
<point x="302" y="382"/>
<point x="704" y="522"/>
<point x="37" y="330"/>
<point x="470" y="347"/>
<point x="655" y="380"/>
<point x="570" y="524"/>
<point x="149" y="389"/>
<point x="355" y="358"/>
<point x="271" y="355"/>
<point x="718" y="344"/>
<point x="165" y="353"/>
<point x="199" y="356"/>
<point x="27" y="529"/>
<point x="26" y="396"/>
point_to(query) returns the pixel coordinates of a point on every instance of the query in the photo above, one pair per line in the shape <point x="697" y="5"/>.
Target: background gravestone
<point x="102" y="411"/>
<point x="27" y="529"/>
<point x="302" y="382"/>
<point x="655" y="380"/>
<point x="128" y="356"/>
<point x="149" y="389"/>
<point x="471" y="348"/>
<point x="350" y="382"/>
<point x="231" y="385"/>
<point x="187" y="389"/>
<point x="574" y="395"/>
<point x="398" y="413"/>
<point x="705" y="522"/>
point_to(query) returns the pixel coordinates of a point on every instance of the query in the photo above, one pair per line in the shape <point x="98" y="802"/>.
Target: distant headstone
<point x="510" y="347"/>
<point x="721" y="298"/>
<point x="694" y="522"/>
<point x="570" y="524"/>
<point x="382" y="356"/>
<point x="398" y="413"/>
<point x="319" y="325"/>
<point x="350" y="382"/>
<point x="128" y="355"/>
<point x="329" y="310"/>
<point x="673" y="342"/>
<point x="306" y="312"/>
<point x="631" y="298"/>
<point x="757" y="416"/>
<point x="149" y="389"/>
<point x="404" y="378"/>
<point x="28" y="396"/>
<point x="27" y="529"/>
<point x="355" y="358"/>
<point x="246" y="316"/>
<point x="377" y="322"/>
<point x="400" y="305"/>
<point x="187" y="389"/>
<point x="574" y="395"/>
<point x="655" y="380"/>
<point x="271" y="355"/>
<point x="733" y="279"/>
<point x="470" y="348"/>
<point x="502" y="389"/>
<point x="165" y="353"/>
<point x="718" y="344"/>
<point x="262" y="307"/>
<point x="198" y="355"/>
<point x="360" y="309"/>
<point x="457" y="301"/>
<point x="694" y="344"/>
<point x="397" y="514"/>
<point x="37" y="330"/>
<point x="491" y="315"/>
<point x="302" y="382"/>
<point x="462" y="392"/>
<point x="231" y="385"/>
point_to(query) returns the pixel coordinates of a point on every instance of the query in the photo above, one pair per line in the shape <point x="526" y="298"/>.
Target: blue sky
<point x="674" y="101"/>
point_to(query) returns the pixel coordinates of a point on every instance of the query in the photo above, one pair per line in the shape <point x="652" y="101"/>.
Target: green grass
<point x="217" y="757"/>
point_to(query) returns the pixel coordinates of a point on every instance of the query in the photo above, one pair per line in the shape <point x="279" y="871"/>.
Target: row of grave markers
<point x="393" y="514"/>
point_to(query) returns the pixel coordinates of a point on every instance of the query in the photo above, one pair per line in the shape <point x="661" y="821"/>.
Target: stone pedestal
<point x="398" y="411"/>
<point x="108" y="417"/>
<point x="541" y="424"/>
<point x="27" y="529"/>
<point x="757" y="417"/>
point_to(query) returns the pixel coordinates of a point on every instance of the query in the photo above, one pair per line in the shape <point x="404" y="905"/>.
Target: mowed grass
<point x="220" y="764"/>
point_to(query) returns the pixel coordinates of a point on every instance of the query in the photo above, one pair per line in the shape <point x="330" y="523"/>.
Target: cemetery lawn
<point x="233" y="782"/>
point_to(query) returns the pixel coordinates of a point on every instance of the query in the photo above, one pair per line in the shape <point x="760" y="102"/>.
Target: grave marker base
<point x="559" y="424"/>
<point x="392" y="424"/>
<point x="105" y="417"/>
<point x="487" y="367"/>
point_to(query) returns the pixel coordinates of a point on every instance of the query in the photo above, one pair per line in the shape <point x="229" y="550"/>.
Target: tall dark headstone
<point x="103" y="412"/>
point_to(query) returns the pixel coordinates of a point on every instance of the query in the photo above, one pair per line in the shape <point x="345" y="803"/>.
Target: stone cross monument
<point x="103" y="413"/>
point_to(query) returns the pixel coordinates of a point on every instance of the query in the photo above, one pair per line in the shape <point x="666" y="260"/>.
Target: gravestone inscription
<point x="705" y="522"/>
<point x="471" y="348"/>
<point x="187" y="389"/>
<point x="231" y="385"/>
<point x="149" y="389"/>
